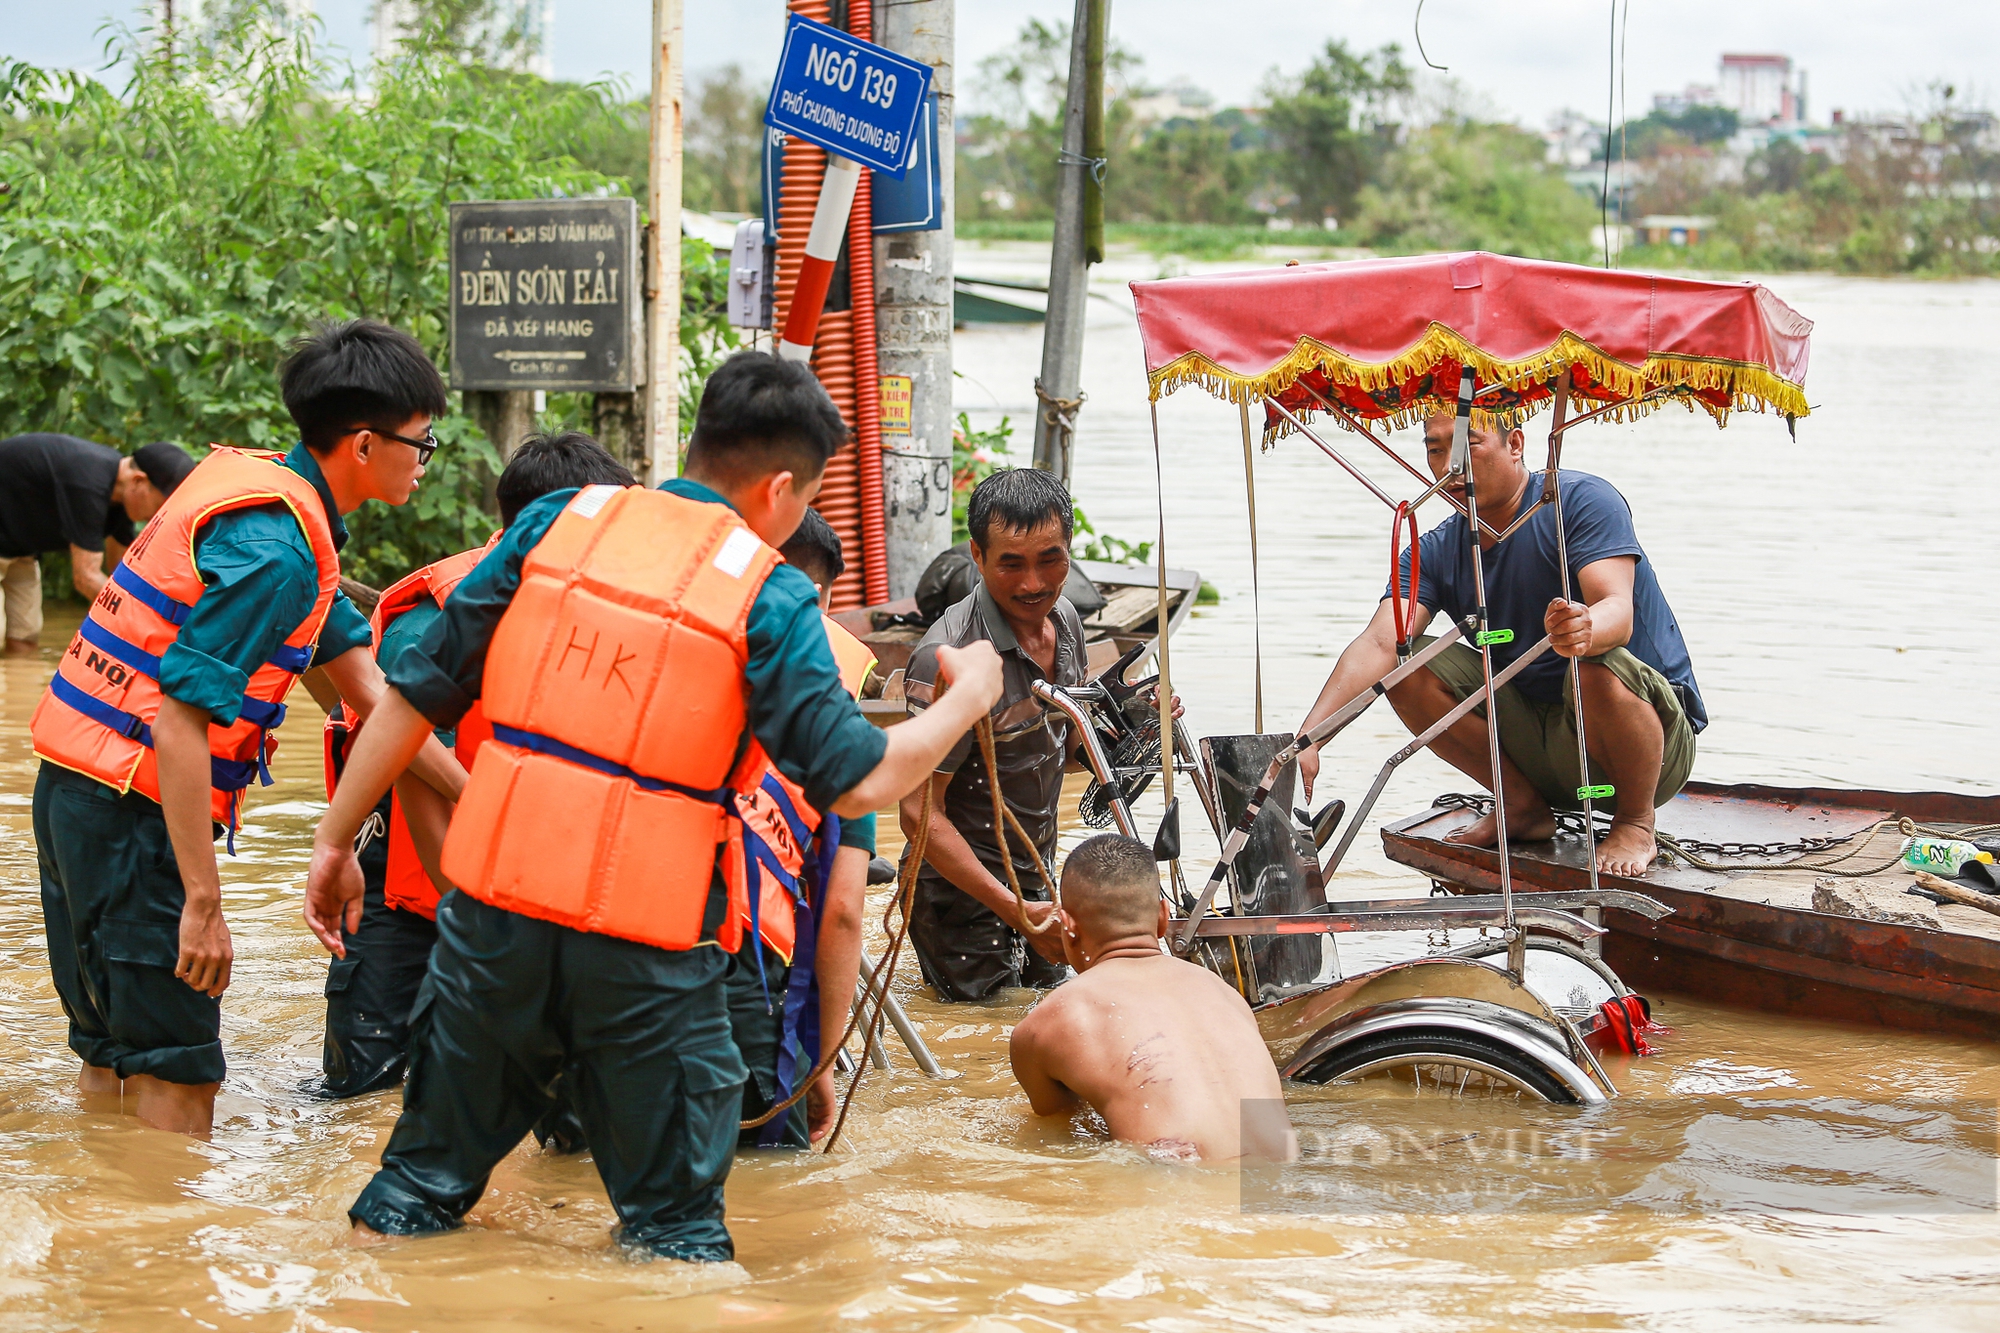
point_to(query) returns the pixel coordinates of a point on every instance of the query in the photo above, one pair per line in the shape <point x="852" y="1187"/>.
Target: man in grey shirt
<point x="1021" y="521"/>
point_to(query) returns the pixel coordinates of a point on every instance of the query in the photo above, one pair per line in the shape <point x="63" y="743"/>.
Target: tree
<point x="1008" y="166"/>
<point x="1471" y="186"/>
<point x="1661" y="131"/>
<point x="159" y="247"/>
<point x="724" y="143"/>
<point x="1329" y="126"/>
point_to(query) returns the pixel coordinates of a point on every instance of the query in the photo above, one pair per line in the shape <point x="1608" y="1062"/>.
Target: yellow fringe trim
<point x="1750" y="387"/>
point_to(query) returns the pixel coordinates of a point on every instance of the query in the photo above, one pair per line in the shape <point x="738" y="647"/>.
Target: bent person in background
<point x="1164" y="1050"/>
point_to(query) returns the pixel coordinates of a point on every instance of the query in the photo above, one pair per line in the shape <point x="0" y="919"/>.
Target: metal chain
<point x="1695" y="852"/>
<point x="1060" y="412"/>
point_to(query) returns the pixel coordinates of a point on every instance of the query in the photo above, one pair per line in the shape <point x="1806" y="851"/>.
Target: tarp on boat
<point x="1385" y="338"/>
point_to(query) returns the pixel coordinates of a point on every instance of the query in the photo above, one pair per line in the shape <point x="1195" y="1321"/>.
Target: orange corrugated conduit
<point x="844" y="352"/>
<point x="867" y="373"/>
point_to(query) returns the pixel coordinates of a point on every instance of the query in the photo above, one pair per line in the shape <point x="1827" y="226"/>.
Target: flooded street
<point x="1835" y="593"/>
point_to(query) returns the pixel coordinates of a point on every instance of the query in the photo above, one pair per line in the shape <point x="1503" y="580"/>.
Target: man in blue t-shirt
<point x="1641" y="705"/>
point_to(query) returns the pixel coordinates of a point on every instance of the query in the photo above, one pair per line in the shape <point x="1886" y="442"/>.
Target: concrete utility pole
<point x="1069" y="276"/>
<point x="913" y="305"/>
<point x="661" y="455"/>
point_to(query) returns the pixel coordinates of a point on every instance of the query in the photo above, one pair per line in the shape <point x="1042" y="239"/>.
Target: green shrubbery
<point x="160" y="245"/>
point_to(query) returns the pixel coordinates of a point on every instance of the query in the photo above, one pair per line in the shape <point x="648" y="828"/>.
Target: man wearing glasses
<point x="159" y="717"/>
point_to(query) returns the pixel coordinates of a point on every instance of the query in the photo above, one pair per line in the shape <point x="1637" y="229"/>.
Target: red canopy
<point x="1385" y="338"/>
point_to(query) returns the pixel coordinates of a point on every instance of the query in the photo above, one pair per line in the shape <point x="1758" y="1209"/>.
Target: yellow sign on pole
<point x="896" y="397"/>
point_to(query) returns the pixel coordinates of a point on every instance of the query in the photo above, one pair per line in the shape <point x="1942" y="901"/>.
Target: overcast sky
<point x="1527" y="57"/>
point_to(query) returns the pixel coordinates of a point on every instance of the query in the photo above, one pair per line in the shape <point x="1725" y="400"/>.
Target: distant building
<point x="1759" y="89"/>
<point x="1572" y="139"/>
<point x="1673" y="229"/>
<point x="199" y="19"/>
<point x="515" y="35"/>
<point x="1182" y="101"/>
<point x="1684" y="101"/>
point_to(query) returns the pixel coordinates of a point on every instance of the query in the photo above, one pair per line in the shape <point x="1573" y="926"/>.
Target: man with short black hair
<point x="965" y="920"/>
<point x="160" y="713"/>
<point x="643" y="658"/>
<point x="57" y="491"/>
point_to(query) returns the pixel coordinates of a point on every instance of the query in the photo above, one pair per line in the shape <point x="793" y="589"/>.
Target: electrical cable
<point x="1418" y="28"/>
<point x="1610" y="109"/>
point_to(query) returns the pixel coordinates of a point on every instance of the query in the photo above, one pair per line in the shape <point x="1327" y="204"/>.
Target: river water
<point x="1769" y="1172"/>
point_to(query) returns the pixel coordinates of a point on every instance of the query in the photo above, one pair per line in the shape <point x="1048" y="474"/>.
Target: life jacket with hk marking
<point x="406" y="885"/>
<point x="616" y="692"/>
<point x="779" y="824"/>
<point x="97" y="716"/>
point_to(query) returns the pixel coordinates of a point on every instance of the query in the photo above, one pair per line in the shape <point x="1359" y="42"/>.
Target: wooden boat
<point x="1129" y="617"/>
<point x="1795" y="941"/>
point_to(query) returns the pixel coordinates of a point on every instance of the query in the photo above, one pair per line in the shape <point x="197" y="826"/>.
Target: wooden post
<point x="913" y="319"/>
<point x="508" y="417"/>
<point x="1062" y="327"/>
<point x="616" y="420"/>
<point x="660" y="458"/>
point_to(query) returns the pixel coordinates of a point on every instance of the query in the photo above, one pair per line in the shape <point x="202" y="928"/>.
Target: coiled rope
<point x="906" y="887"/>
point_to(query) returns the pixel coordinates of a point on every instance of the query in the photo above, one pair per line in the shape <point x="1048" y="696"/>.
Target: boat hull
<point x="1752" y="940"/>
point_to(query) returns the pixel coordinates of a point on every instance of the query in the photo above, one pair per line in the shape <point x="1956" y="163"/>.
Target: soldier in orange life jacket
<point x="791" y="986"/>
<point x="370" y="991"/>
<point x="791" y="983"/>
<point x="643" y="657"/>
<point x="160" y="714"/>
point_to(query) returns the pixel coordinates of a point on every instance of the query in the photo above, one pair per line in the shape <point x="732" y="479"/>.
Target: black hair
<point x="1020" y="499"/>
<point x="760" y="415"/>
<point x="1111" y="886"/>
<point x="814" y="548"/>
<point x="165" y="464"/>
<point x="545" y="463"/>
<point x="357" y="373"/>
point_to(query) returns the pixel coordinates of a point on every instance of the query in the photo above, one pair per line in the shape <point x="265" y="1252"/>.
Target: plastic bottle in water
<point x="1943" y="857"/>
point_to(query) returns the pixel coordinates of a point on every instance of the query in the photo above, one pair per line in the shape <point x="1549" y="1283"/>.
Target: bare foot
<point x="363" y="1236"/>
<point x="1522" y="826"/>
<point x="23" y="648"/>
<point x="1628" y="849"/>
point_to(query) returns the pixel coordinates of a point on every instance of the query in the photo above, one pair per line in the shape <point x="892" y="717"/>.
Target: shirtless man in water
<point x="1640" y="703"/>
<point x="1165" y="1051"/>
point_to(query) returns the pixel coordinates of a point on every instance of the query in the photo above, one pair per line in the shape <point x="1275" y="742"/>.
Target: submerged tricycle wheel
<point x="1441" y="1063"/>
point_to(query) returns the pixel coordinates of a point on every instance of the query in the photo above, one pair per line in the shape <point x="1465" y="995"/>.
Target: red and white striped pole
<point x="829" y="228"/>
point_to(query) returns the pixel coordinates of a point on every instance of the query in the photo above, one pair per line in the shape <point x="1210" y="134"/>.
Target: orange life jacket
<point x="97" y="715"/>
<point x="615" y="688"/>
<point x="779" y="823"/>
<point x="407" y="885"/>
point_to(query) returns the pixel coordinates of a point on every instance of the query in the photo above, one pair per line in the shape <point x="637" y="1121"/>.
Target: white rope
<point x="1164" y="691"/>
<point x="1256" y="592"/>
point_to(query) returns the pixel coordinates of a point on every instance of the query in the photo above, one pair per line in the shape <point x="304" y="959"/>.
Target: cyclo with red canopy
<point x="1362" y="345"/>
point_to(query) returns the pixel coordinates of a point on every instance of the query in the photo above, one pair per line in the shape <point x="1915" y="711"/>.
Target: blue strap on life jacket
<point x="799" y="1032"/>
<point x="555" y="749"/>
<point x="260" y="713"/>
<point x="225" y="775"/>
<point x="296" y="660"/>
<point x="174" y="612"/>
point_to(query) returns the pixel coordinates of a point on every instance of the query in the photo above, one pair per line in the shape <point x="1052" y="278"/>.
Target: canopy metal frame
<point x="1476" y="630"/>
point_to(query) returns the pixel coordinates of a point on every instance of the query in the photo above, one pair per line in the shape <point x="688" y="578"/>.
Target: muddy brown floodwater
<point x="1836" y="595"/>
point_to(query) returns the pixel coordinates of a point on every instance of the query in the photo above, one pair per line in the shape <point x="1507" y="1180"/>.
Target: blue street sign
<point x="913" y="203"/>
<point x="851" y="97"/>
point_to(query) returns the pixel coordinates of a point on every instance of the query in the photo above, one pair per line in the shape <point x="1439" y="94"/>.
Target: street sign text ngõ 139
<point x="850" y="97"/>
